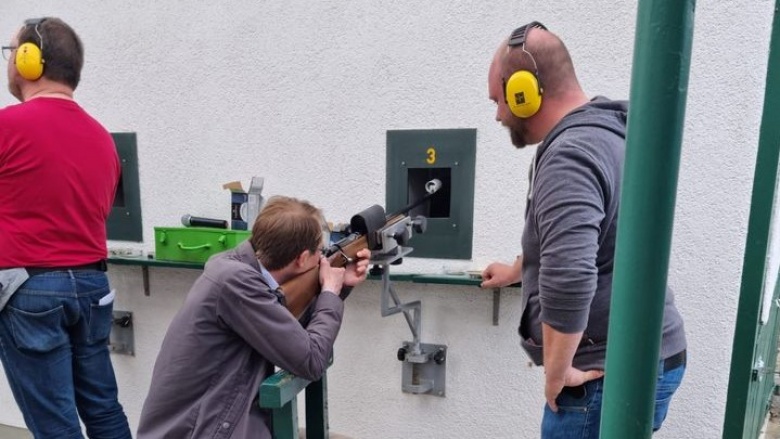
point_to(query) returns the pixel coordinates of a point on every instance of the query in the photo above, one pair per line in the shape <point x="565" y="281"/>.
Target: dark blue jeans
<point x="53" y="345"/>
<point x="579" y="415"/>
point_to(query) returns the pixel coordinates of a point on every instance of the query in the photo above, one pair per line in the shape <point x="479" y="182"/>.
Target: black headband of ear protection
<point x="518" y="36"/>
<point x="34" y="21"/>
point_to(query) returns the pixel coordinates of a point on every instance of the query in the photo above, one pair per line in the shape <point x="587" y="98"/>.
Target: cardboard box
<point x="245" y="205"/>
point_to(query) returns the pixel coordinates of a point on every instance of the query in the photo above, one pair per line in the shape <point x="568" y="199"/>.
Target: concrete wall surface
<point x="303" y="93"/>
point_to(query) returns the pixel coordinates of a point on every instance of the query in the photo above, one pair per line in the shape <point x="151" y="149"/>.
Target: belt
<point x="95" y="266"/>
<point x="675" y="361"/>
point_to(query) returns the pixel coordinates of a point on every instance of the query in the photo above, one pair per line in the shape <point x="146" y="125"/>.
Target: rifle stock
<point x="300" y="291"/>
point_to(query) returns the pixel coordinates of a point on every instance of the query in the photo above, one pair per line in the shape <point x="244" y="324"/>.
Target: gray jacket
<point x="569" y="235"/>
<point x="223" y="342"/>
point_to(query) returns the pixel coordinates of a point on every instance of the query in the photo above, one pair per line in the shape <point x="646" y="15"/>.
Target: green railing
<point x="754" y="350"/>
<point x="663" y="41"/>
<point x="279" y="393"/>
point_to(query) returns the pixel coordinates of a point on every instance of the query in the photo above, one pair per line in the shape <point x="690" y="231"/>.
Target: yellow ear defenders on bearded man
<point x="29" y="56"/>
<point x="522" y="91"/>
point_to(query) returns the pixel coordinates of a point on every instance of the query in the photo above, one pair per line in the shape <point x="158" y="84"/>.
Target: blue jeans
<point x="579" y="415"/>
<point x="53" y="345"/>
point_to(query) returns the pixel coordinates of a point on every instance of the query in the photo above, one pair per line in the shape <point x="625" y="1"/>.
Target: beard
<point x="519" y="136"/>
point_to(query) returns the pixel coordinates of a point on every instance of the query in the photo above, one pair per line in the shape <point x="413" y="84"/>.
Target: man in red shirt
<point x="58" y="175"/>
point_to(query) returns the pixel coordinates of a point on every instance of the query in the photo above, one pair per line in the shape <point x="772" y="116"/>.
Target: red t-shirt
<point x="58" y="175"/>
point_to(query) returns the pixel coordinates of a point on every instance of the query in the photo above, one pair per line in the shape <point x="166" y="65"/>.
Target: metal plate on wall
<point x="124" y="220"/>
<point x="121" y="340"/>
<point x="415" y="156"/>
<point x="425" y="373"/>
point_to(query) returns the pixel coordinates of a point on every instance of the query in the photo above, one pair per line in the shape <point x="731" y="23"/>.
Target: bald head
<point x="545" y="55"/>
<point x="553" y="66"/>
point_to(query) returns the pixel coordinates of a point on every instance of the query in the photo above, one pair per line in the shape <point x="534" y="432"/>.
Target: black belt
<point x="675" y="361"/>
<point x="95" y="266"/>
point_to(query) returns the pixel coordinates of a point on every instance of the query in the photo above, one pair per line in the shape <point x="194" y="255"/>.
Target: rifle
<point x="371" y="229"/>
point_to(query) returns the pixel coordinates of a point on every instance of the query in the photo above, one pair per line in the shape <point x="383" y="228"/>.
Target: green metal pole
<point x="662" y="53"/>
<point x="737" y="423"/>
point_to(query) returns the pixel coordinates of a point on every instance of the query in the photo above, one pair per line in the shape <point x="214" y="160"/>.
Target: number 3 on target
<point x="431" y="158"/>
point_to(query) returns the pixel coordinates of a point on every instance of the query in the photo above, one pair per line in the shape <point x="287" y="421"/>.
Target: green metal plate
<point x="124" y="221"/>
<point x="414" y="157"/>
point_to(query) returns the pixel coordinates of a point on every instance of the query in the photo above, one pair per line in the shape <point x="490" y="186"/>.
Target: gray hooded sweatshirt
<point x="569" y="235"/>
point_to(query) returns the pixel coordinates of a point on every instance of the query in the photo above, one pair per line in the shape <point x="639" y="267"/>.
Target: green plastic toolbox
<point x="194" y="244"/>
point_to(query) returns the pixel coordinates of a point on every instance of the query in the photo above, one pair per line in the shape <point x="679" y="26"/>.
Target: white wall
<point x="302" y="93"/>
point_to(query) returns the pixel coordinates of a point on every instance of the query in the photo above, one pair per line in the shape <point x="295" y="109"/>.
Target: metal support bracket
<point x="145" y="274"/>
<point x="496" y="305"/>
<point x="121" y="340"/>
<point x="424" y="365"/>
<point x="424" y="372"/>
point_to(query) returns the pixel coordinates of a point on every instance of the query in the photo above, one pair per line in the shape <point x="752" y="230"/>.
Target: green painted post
<point x="662" y="53"/>
<point x="317" y="409"/>
<point x="738" y="422"/>
<point x="285" y="420"/>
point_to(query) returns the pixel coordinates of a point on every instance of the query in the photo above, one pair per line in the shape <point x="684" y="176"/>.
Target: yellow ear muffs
<point x="29" y="61"/>
<point x="523" y="94"/>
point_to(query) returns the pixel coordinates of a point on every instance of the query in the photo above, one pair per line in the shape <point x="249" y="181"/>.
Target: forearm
<point x="308" y="356"/>
<point x="517" y="268"/>
<point x="559" y="349"/>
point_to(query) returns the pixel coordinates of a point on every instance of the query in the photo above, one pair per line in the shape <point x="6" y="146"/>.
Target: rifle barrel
<point x="434" y="184"/>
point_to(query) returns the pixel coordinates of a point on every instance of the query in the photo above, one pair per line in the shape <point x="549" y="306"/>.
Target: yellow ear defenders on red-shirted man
<point x="522" y="91"/>
<point x="29" y="56"/>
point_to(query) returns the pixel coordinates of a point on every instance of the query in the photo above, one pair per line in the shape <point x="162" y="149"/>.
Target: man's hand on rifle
<point x="358" y="268"/>
<point x="331" y="278"/>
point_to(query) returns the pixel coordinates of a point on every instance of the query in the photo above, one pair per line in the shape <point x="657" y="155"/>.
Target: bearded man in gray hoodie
<point x="569" y="234"/>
